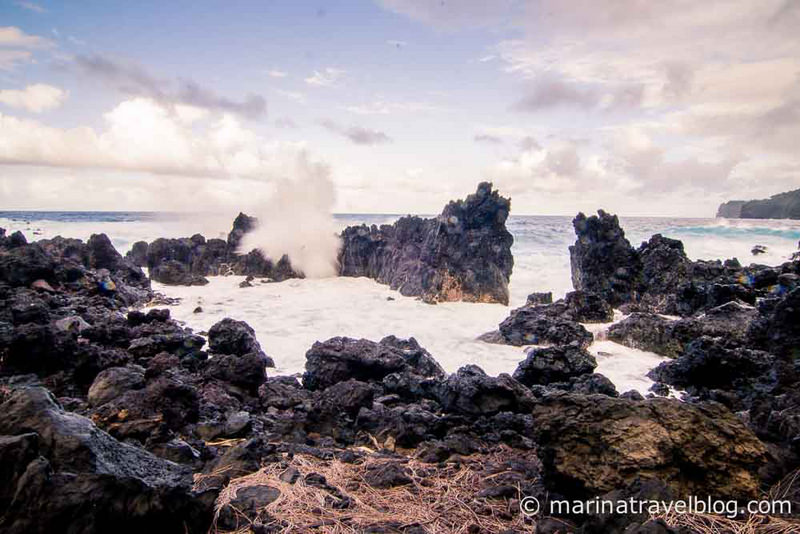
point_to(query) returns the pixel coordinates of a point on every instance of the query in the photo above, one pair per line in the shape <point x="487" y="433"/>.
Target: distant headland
<point x="780" y="206"/>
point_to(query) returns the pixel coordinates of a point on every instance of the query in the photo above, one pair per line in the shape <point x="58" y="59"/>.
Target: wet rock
<point x="471" y="391"/>
<point x="463" y="254"/>
<point x="591" y="444"/>
<point x="659" y="389"/>
<point x="632" y="395"/>
<point x="40" y="349"/>
<point x="714" y="363"/>
<point x="340" y="358"/>
<point x="247" y="371"/>
<point x="648" y="332"/>
<point x="20" y="266"/>
<point x="138" y="254"/>
<point x="667" y="337"/>
<point x="536" y="326"/>
<point x="554" y="364"/>
<point x="164" y="403"/>
<point x="586" y="307"/>
<point x="778" y="329"/>
<point x="758" y="249"/>
<point x="589" y="384"/>
<point x="178" y="343"/>
<point x="603" y="261"/>
<point x="282" y="392"/>
<point x="229" y="336"/>
<point x="174" y="273"/>
<point x="419" y="359"/>
<point x="535" y="299"/>
<point x="665" y="267"/>
<point x="84" y="478"/>
<point x="115" y="382"/>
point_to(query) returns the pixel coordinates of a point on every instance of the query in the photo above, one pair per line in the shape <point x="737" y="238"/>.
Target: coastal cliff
<point x="780" y="206"/>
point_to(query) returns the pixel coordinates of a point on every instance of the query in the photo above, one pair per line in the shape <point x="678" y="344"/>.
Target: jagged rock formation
<point x="658" y="276"/>
<point x="187" y="261"/>
<point x="602" y="259"/>
<point x="780" y="206"/>
<point x="463" y="254"/>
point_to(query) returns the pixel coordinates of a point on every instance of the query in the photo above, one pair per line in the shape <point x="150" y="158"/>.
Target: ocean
<point x="290" y="316"/>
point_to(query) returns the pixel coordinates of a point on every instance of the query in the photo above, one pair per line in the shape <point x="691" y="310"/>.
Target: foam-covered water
<point x="289" y="316"/>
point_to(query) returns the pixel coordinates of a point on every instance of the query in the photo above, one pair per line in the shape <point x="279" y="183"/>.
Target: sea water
<point x="290" y="316"/>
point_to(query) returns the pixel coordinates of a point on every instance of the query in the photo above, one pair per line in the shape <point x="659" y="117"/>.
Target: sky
<point x="397" y="106"/>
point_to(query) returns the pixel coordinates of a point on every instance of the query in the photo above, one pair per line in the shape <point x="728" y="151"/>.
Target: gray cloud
<point x="357" y="134"/>
<point x="529" y="143"/>
<point x="134" y="80"/>
<point x="679" y="78"/>
<point x="547" y="91"/>
<point x="488" y="138"/>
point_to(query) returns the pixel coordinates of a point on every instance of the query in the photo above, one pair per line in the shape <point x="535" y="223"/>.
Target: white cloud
<point x="11" y="36"/>
<point x="36" y="98"/>
<point x="274" y="73"/>
<point x="326" y="77"/>
<point x="17" y="47"/>
<point x="30" y="6"/>
<point x="142" y="135"/>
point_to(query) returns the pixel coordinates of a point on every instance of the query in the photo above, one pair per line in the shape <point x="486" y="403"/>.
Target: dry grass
<point x="716" y="524"/>
<point x="439" y="499"/>
<point x="787" y="489"/>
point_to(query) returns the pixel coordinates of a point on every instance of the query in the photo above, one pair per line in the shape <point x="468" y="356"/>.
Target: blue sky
<point x="636" y="107"/>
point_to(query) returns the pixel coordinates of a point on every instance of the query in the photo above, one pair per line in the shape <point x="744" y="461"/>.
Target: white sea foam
<point x="290" y="316"/>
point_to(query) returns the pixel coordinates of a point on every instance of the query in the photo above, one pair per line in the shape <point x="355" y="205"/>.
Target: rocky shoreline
<point x="117" y="419"/>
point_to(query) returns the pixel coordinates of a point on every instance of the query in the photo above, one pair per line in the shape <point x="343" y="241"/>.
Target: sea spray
<point x="297" y="221"/>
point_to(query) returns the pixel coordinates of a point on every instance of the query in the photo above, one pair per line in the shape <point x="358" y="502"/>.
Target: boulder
<point x="667" y="337"/>
<point x="341" y="358"/>
<point x="175" y="273"/>
<point x="138" y="254"/>
<point x="536" y="325"/>
<point x="115" y="382"/>
<point x="229" y="336"/>
<point x="591" y="444"/>
<point x="83" y="478"/>
<point x="714" y="363"/>
<point x="247" y="371"/>
<point x="554" y="364"/>
<point x="648" y="332"/>
<point x="463" y="254"/>
<point x="470" y="391"/>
